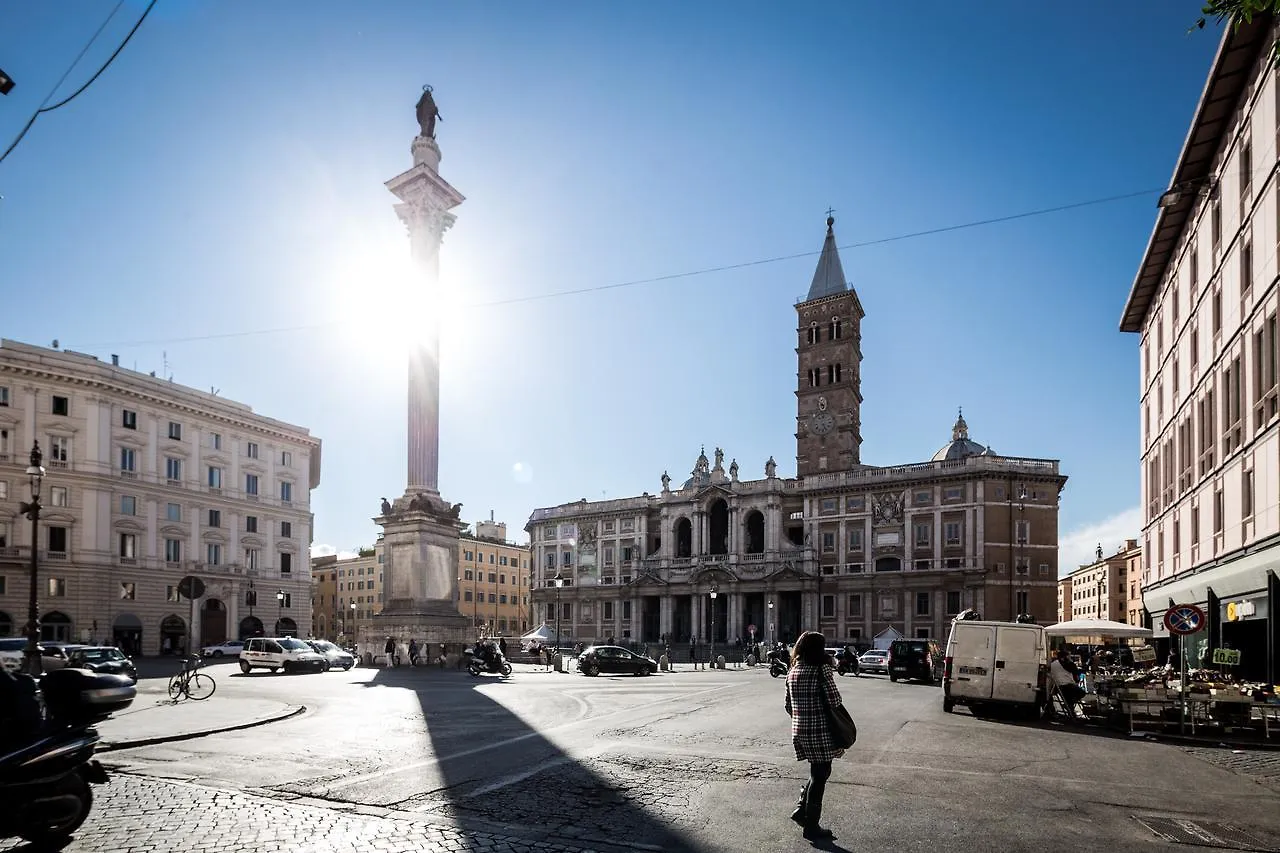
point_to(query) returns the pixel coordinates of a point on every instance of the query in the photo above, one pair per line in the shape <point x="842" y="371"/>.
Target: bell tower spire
<point x="829" y="356"/>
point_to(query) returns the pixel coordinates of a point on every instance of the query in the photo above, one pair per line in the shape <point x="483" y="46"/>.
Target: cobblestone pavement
<point x="1262" y="765"/>
<point x="140" y="815"/>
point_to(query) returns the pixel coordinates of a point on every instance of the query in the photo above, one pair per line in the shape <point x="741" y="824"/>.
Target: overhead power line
<point x="663" y="278"/>
<point x="48" y="109"/>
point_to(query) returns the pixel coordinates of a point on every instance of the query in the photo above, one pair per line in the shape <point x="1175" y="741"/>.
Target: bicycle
<point x="190" y="683"/>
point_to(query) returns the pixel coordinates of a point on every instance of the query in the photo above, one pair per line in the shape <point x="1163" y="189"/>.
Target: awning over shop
<point x="1238" y="578"/>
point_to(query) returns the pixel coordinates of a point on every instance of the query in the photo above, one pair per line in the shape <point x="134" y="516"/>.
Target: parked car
<point x="52" y="655"/>
<point x="874" y="660"/>
<point x="595" y="660"/>
<point x="280" y="653"/>
<point x="55" y="653"/>
<point x="11" y="653"/>
<point x="227" y="648"/>
<point x="337" y="658"/>
<point x="915" y="660"/>
<point x="106" y="659"/>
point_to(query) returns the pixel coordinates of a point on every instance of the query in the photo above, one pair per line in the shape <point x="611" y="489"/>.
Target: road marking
<point x="352" y="781"/>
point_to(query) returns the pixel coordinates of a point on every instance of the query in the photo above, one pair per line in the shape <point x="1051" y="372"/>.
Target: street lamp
<point x="771" y="640"/>
<point x="31" y="654"/>
<point x="354" y="625"/>
<point x="559" y="579"/>
<point x="1021" y="552"/>
<point x="280" y="614"/>
<point x="714" y="590"/>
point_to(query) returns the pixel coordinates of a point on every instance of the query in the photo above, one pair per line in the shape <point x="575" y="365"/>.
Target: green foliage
<point x="1240" y="12"/>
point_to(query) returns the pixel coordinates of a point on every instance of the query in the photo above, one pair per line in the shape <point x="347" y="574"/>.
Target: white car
<point x="275" y="653"/>
<point x="228" y="648"/>
<point x="11" y="653"/>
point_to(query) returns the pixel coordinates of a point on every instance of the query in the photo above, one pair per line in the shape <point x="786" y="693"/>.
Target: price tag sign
<point x="1226" y="657"/>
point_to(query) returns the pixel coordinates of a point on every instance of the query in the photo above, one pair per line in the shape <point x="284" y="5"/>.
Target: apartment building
<point x="148" y="482"/>
<point x="1100" y="590"/>
<point x="1204" y="303"/>
<point x="493" y="580"/>
<point x="345" y="592"/>
<point x="1064" y="599"/>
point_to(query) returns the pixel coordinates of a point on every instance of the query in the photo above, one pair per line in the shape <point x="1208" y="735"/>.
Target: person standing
<point x="390" y="650"/>
<point x="811" y="689"/>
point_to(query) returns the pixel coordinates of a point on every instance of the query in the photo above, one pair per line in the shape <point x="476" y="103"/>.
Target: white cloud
<point x="329" y="550"/>
<point x="1078" y="547"/>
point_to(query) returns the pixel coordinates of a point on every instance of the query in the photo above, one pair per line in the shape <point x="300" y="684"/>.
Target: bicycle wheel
<point x="176" y="686"/>
<point x="201" y="686"/>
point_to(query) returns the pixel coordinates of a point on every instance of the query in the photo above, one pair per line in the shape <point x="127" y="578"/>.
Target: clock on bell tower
<point x="828" y="381"/>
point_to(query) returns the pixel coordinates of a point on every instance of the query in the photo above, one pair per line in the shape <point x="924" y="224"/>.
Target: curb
<point x="1209" y="742"/>
<point x="292" y="711"/>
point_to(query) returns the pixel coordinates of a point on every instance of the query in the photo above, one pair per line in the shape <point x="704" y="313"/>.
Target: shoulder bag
<point x="844" y="732"/>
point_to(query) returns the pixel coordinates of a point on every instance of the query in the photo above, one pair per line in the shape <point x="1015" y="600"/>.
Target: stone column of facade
<point x="665" y="605"/>
<point x="420" y="530"/>
<point x="699" y="535"/>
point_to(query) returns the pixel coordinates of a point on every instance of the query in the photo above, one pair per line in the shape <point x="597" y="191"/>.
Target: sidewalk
<point x="153" y="719"/>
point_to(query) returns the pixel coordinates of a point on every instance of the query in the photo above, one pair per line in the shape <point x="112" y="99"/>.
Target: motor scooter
<point x="497" y="663"/>
<point x="46" y="770"/>
<point x="778" y="663"/>
<point x="848" y="665"/>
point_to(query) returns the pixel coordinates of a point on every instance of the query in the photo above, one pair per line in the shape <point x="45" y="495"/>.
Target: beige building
<point x="856" y="550"/>
<point x="345" y="592"/>
<point x="149" y="482"/>
<point x="493" y="580"/>
<point x="1133" y="574"/>
<point x="1205" y="304"/>
<point x="1064" y="599"/>
<point x="493" y="584"/>
<point x="1100" y="590"/>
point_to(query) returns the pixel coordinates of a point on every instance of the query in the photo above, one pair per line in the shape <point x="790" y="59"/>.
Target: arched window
<point x="812" y="335"/>
<point x="834" y="329"/>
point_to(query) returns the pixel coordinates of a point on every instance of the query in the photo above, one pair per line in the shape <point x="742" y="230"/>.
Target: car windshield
<point x="294" y="645"/>
<point x="100" y="655"/>
<point x="12" y="645"/>
<point x="324" y="646"/>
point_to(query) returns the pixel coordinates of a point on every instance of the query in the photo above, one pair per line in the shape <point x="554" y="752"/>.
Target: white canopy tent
<point x="1096" y="628"/>
<point x="542" y="634"/>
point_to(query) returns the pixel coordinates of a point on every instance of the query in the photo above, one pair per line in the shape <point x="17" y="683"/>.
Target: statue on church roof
<point x="733" y="470"/>
<point x="771" y="468"/>
<point x="666" y="482"/>
<point x="719" y="459"/>
<point x="427" y="112"/>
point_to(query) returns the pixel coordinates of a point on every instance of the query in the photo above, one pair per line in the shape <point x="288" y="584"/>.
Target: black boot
<point x="812" y="816"/>
<point x="799" y="814"/>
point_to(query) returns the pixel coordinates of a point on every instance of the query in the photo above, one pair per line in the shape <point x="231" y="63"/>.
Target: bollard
<point x="719" y="662"/>
<point x="664" y="664"/>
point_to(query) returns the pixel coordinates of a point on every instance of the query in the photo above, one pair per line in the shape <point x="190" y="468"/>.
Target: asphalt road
<point x="690" y="760"/>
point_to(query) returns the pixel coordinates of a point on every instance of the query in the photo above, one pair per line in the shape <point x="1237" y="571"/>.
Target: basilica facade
<point x="861" y="552"/>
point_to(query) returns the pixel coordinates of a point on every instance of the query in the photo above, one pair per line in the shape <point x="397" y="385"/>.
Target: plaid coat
<point x="810" y="733"/>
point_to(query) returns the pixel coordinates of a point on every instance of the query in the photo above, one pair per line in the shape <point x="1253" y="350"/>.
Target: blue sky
<point x="225" y="176"/>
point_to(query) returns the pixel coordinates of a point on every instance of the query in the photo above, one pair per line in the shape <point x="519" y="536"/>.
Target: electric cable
<point x="47" y="109"/>
<point x="661" y="278"/>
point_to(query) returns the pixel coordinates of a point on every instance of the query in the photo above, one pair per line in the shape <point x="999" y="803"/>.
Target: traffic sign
<point x="191" y="587"/>
<point x="1184" y="619"/>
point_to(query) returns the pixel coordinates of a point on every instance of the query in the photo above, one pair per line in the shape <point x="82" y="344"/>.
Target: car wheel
<point x="644" y="670"/>
<point x="217" y="653"/>
<point x="244" y="667"/>
<point x="348" y="666"/>
<point x="893" y="677"/>
<point x="272" y="668"/>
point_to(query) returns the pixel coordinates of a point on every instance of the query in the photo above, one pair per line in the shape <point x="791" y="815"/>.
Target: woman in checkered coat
<point x="809" y="683"/>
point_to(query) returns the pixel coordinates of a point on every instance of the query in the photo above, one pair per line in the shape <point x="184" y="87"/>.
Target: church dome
<point x="961" y="446"/>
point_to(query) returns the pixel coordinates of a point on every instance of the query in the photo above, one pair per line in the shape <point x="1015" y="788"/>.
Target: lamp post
<point x="1021" y="552"/>
<point x="559" y="580"/>
<point x="771" y="640"/>
<point x="31" y="653"/>
<point x="280" y="610"/>
<point x="714" y="591"/>
<point x="354" y="623"/>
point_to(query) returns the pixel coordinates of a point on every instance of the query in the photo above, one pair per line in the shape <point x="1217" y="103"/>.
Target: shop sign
<point x="1226" y="657"/>
<point x="1237" y="610"/>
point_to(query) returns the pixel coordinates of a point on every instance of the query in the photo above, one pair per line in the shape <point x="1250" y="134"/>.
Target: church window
<point x="834" y="329"/>
<point x="812" y="333"/>
<point x="828" y="543"/>
<point x="828" y="506"/>
<point x="833" y="373"/>
<point x="814" y="376"/>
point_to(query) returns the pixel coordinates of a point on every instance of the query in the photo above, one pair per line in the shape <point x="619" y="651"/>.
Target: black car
<point x="610" y="660"/>
<point x="107" y="659"/>
<point x="915" y="660"/>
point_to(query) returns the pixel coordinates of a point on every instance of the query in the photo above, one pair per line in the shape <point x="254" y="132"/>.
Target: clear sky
<point x="224" y="177"/>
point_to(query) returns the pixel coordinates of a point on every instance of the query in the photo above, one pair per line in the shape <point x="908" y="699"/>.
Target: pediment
<point x="174" y="531"/>
<point x="646" y="579"/>
<point x="714" y="490"/>
<point x="251" y="541"/>
<point x="716" y="575"/>
<point x="130" y="438"/>
<point x="60" y="428"/>
<point x="175" y="450"/>
<point x="129" y="525"/>
<point x="7" y="419"/>
<point x="787" y="573"/>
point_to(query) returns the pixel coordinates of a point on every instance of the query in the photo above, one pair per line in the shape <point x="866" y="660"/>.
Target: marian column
<point x="420" y="529"/>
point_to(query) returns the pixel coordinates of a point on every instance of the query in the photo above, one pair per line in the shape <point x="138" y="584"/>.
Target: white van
<point x="995" y="663"/>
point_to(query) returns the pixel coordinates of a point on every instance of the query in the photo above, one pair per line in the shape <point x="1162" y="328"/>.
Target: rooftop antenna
<point x="213" y="391"/>
<point x="164" y="354"/>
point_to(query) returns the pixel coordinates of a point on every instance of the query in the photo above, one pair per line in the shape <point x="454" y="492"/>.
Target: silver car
<point x="337" y="658"/>
<point x="874" y="660"/>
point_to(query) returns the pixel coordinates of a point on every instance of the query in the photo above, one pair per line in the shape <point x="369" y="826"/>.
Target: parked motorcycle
<point x="47" y="766"/>
<point x="497" y="663"/>
<point x="778" y="663"/>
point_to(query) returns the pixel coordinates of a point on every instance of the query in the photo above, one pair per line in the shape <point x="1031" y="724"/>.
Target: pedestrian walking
<point x="390" y="650"/>
<point x="693" y="651"/>
<point x="502" y="646"/>
<point x="811" y="691"/>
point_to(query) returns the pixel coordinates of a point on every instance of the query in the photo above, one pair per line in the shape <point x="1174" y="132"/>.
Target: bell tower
<point x="829" y="378"/>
